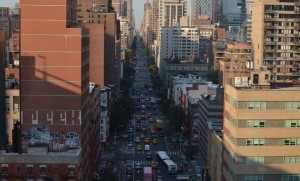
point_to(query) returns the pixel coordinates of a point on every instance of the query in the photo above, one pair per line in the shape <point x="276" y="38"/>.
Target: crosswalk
<point x="146" y="121"/>
<point x="133" y="151"/>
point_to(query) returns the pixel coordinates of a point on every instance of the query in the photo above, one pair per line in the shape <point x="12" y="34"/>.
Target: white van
<point x="147" y="147"/>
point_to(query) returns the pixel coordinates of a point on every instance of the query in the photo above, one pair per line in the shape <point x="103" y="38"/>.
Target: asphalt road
<point x="124" y="154"/>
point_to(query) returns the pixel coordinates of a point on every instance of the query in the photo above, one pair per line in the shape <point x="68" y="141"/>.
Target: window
<point x="231" y="119"/>
<point x="5" y="170"/>
<point x="255" y="142"/>
<point x="16" y="103"/>
<point x="18" y="169"/>
<point x="254" y="178"/>
<point x="254" y="160"/>
<point x="257" y="105"/>
<point x="42" y="170"/>
<point x="232" y="101"/>
<point x="292" y="105"/>
<point x="232" y="138"/>
<point x="255" y="123"/>
<point x="7" y="103"/>
<point x="292" y="123"/>
<point x="291" y="159"/>
<point x="71" y="170"/>
<point x="30" y="170"/>
<point x="291" y="141"/>
<point x="290" y="177"/>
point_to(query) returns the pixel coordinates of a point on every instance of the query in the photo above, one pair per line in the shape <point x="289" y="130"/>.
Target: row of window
<point x="260" y="160"/>
<point x="42" y="170"/>
<point x="263" y="104"/>
<point x="262" y="123"/>
<point x="261" y="141"/>
<point x="291" y="177"/>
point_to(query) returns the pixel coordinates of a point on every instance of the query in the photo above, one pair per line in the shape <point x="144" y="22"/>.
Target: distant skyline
<point x="138" y="6"/>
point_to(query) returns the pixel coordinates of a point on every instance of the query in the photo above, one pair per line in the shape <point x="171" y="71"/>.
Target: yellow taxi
<point x="151" y="120"/>
<point x="146" y="141"/>
<point x="139" y="148"/>
<point x="154" y="164"/>
<point x="142" y="136"/>
<point x="154" y="141"/>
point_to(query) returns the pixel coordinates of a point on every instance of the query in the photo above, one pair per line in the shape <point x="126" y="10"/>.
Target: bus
<point x="147" y="174"/>
<point x="162" y="155"/>
<point x="159" y="124"/>
<point x="171" y="166"/>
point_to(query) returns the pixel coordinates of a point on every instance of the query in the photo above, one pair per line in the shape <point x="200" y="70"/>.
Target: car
<point x="130" y="144"/>
<point x="159" y="178"/>
<point x="130" y="130"/>
<point x="144" y="130"/>
<point x="139" y="148"/>
<point x="137" y="128"/>
<point x="152" y="130"/>
<point x="129" y="169"/>
<point x="148" y="156"/>
<point x="153" y="136"/>
<point x="142" y="136"/>
<point x="146" y="140"/>
<point x="154" y="141"/>
<point x="151" y="120"/>
<point x="154" y="164"/>
<point x="137" y="139"/>
<point x="138" y="166"/>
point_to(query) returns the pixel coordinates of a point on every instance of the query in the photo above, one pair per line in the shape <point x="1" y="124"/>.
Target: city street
<point x="127" y="146"/>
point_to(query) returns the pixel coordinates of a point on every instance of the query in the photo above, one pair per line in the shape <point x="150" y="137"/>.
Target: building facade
<point x="276" y="39"/>
<point x="170" y="12"/>
<point x="181" y="41"/>
<point x="260" y="131"/>
<point x="53" y="137"/>
<point x="203" y="8"/>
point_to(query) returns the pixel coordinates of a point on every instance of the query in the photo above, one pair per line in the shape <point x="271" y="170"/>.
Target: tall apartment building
<point x="155" y="18"/>
<point x="98" y="16"/>
<point x="3" y="135"/>
<point x="181" y="41"/>
<point x="54" y="135"/>
<point x="276" y="39"/>
<point x="233" y="13"/>
<point x="261" y="130"/>
<point x="116" y="4"/>
<point x="203" y="8"/>
<point x="170" y="12"/>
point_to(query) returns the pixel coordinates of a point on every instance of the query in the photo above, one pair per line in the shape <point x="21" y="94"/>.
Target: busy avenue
<point x="146" y="135"/>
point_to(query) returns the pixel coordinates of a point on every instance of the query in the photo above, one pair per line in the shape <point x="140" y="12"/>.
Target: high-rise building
<point x="275" y="39"/>
<point x="170" y="12"/>
<point x="116" y="4"/>
<point x="54" y="135"/>
<point x="100" y="18"/>
<point x="3" y="134"/>
<point x="261" y="132"/>
<point x="181" y="41"/>
<point x="202" y="8"/>
<point x="233" y="12"/>
<point x="155" y="18"/>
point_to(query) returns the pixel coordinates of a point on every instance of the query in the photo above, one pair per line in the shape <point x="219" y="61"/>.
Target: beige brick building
<point x="261" y="132"/>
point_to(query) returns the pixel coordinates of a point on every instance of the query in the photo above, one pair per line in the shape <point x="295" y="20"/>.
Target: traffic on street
<point x="144" y="150"/>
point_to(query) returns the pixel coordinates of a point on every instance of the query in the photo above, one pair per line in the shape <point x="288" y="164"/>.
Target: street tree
<point x="175" y="115"/>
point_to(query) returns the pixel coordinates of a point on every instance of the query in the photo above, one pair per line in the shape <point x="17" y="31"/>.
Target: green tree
<point x="153" y="69"/>
<point x="175" y="115"/>
<point x="129" y="54"/>
<point x="213" y="75"/>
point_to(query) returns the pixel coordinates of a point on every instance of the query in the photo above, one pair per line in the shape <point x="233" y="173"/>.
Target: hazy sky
<point x="138" y="6"/>
<point x="8" y="3"/>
